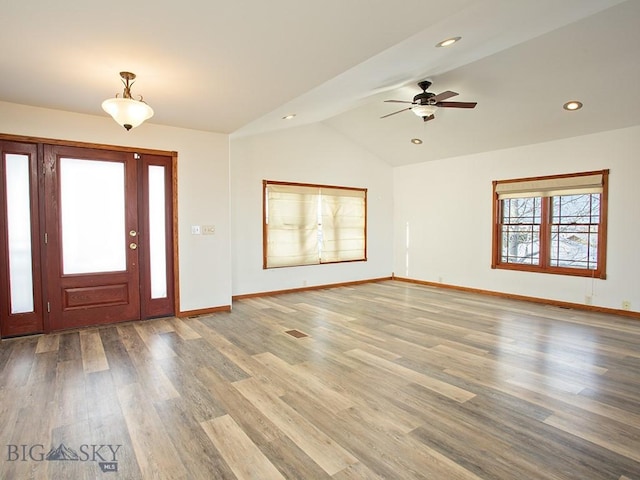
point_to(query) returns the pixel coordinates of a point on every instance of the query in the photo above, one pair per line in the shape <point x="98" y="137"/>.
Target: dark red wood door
<point x="91" y="223"/>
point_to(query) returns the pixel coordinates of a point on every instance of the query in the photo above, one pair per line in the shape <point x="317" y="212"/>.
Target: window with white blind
<point x="554" y="224"/>
<point x="305" y="224"/>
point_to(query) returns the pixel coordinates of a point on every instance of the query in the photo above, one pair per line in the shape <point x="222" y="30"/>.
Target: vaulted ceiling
<point x="239" y="67"/>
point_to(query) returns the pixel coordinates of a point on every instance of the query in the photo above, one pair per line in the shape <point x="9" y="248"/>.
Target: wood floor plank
<point x="518" y="374"/>
<point x="323" y="450"/>
<point x="48" y="343"/>
<point x="243" y="456"/>
<point x="199" y="351"/>
<point x="93" y="356"/>
<point x="201" y="460"/>
<point x="264" y="303"/>
<point x="394" y="380"/>
<point x="381" y="447"/>
<point x="195" y="397"/>
<point x="462" y="425"/>
<point x="357" y="471"/>
<point x="100" y="394"/>
<point x="69" y="406"/>
<point x="43" y="369"/>
<point x="615" y="437"/>
<point x="19" y="363"/>
<point x="343" y="340"/>
<point x="443" y="388"/>
<point x="121" y="367"/>
<point x="156" y="455"/>
<point x="328" y="314"/>
<point x="356" y="384"/>
<point x="298" y="379"/>
<point x="151" y="337"/>
<point x="182" y="328"/>
<point x="234" y="353"/>
<point x="112" y="430"/>
<point x="69" y="346"/>
<point x="253" y="421"/>
<point x="292" y="461"/>
<point x="554" y="400"/>
<point x="147" y="366"/>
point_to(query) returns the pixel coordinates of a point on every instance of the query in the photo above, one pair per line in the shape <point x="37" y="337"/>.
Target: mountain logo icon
<point x="62" y="453"/>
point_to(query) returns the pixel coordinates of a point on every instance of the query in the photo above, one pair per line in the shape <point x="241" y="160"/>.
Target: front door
<point x="86" y="236"/>
<point x="92" y="232"/>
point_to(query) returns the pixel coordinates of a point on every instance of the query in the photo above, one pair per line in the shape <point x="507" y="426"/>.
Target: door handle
<point x="133" y="246"/>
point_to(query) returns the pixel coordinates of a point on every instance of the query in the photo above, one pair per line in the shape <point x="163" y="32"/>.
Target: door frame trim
<point x="174" y="171"/>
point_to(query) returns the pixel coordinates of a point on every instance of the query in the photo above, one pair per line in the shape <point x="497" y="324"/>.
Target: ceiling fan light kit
<point x="426" y="103"/>
<point x="127" y="111"/>
<point x="424" y="110"/>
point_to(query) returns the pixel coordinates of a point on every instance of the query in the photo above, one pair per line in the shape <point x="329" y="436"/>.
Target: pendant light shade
<point x="126" y="110"/>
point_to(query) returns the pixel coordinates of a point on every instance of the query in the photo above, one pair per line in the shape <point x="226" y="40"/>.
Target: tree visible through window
<point x="575" y="221"/>
<point x="306" y="224"/>
<point x="553" y="224"/>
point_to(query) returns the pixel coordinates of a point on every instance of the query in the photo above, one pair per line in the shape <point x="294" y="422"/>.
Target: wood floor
<point x="382" y="380"/>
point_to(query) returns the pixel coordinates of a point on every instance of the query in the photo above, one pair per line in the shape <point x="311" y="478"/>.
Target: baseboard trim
<point x="305" y="289"/>
<point x="203" y="311"/>
<point x="544" y="301"/>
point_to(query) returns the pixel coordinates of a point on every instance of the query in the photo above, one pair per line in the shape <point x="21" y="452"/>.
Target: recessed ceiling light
<point x="416" y="141"/>
<point x="448" y="42"/>
<point x="289" y="117"/>
<point x="572" y="105"/>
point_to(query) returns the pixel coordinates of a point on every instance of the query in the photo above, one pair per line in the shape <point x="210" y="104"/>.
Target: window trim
<point x="265" y="232"/>
<point x="545" y="225"/>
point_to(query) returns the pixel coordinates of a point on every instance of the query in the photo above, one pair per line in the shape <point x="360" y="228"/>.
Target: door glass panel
<point x="157" y="232"/>
<point x="93" y="216"/>
<point x="19" y="233"/>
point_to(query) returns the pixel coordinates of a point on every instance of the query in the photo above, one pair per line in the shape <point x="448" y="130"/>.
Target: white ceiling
<point x="239" y="66"/>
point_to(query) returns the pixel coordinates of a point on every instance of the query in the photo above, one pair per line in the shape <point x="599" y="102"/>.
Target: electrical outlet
<point x="195" y="229"/>
<point x="208" y="229"/>
<point x="626" y="305"/>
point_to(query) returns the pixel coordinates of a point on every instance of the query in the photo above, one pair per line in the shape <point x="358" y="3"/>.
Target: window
<point x="306" y="224"/>
<point x="555" y="224"/>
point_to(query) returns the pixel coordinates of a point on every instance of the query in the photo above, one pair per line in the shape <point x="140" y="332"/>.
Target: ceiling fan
<point x="426" y="103"/>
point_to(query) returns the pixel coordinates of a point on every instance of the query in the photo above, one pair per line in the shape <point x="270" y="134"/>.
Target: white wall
<point x="450" y="234"/>
<point x="203" y="188"/>
<point x="308" y="154"/>
<point x="447" y="207"/>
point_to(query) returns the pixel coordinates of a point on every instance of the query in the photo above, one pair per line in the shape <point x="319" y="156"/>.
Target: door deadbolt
<point x="133" y="233"/>
<point x="133" y="246"/>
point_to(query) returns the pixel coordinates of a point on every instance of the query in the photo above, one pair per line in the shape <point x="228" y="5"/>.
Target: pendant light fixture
<point x="126" y="110"/>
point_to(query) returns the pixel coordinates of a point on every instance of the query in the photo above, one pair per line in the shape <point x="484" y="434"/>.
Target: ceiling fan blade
<point x="457" y="104"/>
<point x="403" y="110"/>
<point x="430" y="117"/>
<point x="443" y="96"/>
<point x="399" y="101"/>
